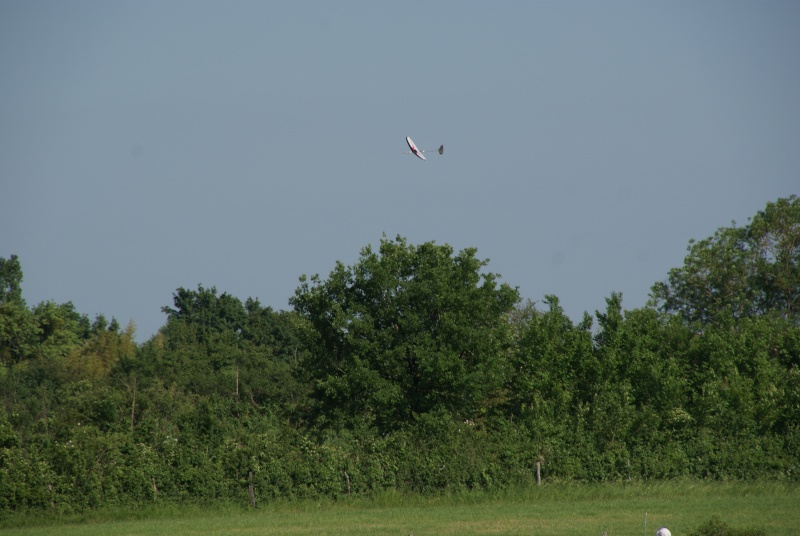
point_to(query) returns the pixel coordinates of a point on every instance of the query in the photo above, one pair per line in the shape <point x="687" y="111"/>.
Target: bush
<point x="716" y="527"/>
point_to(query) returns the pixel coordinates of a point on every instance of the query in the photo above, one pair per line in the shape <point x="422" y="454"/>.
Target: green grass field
<point x="552" y="510"/>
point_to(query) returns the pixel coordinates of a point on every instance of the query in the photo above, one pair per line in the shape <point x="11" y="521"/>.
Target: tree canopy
<point x="414" y="369"/>
<point x="405" y="331"/>
<point x="10" y="280"/>
<point x="740" y="271"/>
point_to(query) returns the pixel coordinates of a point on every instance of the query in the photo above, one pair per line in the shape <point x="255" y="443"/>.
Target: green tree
<point x="61" y="329"/>
<point x="10" y="280"/>
<point x="208" y="314"/>
<point x="405" y="331"/>
<point x="102" y="350"/>
<point x="18" y="329"/>
<point x="201" y="340"/>
<point x="740" y="271"/>
<point x="774" y="234"/>
<point x="212" y="343"/>
<point x="543" y="384"/>
<point x="19" y="333"/>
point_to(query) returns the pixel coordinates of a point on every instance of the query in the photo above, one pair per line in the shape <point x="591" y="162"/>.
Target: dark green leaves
<point x="741" y="271"/>
<point x="407" y="330"/>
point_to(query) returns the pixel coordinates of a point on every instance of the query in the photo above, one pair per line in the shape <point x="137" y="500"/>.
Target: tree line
<point x="414" y="369"/>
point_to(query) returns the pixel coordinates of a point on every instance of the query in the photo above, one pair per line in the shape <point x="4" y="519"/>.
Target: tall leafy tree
<point x="61" y="329"/>
<point x="213" y="343"/>
<point x="405" y="331"/>
<point x="18" y="330"/>
<point x="10" y="280"/>
<point x="549" y="362"/>
<point x="106" y="346"/>
<point x="774" y="234"/>
<point x="741" y="271"/>
<point x="209" y="315"/>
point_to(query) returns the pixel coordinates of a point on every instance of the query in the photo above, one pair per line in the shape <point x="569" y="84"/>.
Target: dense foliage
<point x="413" y="369"/>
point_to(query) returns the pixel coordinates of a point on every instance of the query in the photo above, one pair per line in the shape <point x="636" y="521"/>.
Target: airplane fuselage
<point x="414" y="148"/>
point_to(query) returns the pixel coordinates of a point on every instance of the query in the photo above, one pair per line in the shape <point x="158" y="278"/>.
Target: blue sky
<point x="151" y="145"/>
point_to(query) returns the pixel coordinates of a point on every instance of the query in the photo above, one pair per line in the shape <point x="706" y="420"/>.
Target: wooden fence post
<point x="538" y="472"/>
<point x="252" y="491"/>
<point x="347" y="479"/>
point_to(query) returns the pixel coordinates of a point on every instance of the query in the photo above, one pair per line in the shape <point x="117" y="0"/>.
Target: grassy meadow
<point x="552" y="510"/>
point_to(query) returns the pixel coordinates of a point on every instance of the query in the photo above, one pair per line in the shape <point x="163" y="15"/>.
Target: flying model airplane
<point x="418" y="152"/>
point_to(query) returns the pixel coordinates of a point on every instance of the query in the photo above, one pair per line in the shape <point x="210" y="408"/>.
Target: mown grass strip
<point x="554" y="510"/>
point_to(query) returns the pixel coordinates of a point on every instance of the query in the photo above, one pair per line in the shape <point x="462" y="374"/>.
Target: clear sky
<point x="151" y="145"/>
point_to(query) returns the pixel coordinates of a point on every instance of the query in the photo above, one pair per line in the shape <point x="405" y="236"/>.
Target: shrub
<point x="716" y="527"/>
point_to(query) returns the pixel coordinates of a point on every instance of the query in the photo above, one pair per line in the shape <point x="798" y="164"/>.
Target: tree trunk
<point x="133" y="404"/>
